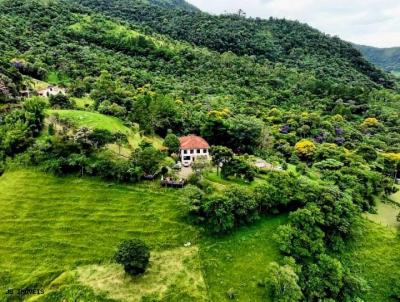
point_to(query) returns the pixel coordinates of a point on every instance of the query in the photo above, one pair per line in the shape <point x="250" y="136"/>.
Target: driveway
<point x="185" y="172"/>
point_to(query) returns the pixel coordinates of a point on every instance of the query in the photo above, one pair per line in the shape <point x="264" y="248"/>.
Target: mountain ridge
<point x="386" y="58"/>
<point x="278" y="40"/>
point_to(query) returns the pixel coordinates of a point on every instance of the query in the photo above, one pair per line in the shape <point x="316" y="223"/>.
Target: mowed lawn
<point x="49" y="225"/>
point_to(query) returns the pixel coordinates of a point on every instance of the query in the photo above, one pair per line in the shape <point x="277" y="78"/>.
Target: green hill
<point x="290" y="42"/>
<point x="176" y="4"/>
<point x="307" y="130"/>
<point x="386" y="58"/>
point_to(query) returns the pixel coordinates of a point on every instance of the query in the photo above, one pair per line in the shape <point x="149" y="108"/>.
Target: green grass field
<point x="239" y="261"/>
<point x="386" y="215"/>
<point x="50" y="225"/>
<point x="92" y="120"/>
<point x="83" y="103"/>
<point x="219" y="183"/>
<point x="60" y="233"/>
<point x="96" y="120"/>
<point x="374" y="255"/>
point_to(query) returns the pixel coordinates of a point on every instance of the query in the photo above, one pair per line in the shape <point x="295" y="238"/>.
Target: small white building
<point x="51" y="90"/>
<point x="192" y="147"/>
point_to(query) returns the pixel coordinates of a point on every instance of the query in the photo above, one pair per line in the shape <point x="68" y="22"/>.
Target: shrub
<point x="134" y="255"/>
<point x="2" y="168"/>
<point x="329" y="164"/>
<point x="370" y="122"/>
<point x="218" y="211"/>
<point x="239" y="168"/>
<point x="171" y="141"/>
<point x="282" y="284"/>
<point x="305" y="149"/>
<point x="61" y="101"/>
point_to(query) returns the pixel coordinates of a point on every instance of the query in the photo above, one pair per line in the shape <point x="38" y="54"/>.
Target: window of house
<point x="186" y="158"/>
<point x="191" y="151"/>
<point x="198" y="151"/>
<point x="184" y="151"/>
<point x="204" y="151"/>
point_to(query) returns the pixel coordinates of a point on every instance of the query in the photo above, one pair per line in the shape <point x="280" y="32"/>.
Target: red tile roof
<point x="193" y="142"/>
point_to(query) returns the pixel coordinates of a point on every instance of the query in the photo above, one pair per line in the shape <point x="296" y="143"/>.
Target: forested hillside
<point x="304" y="139"/>
<point x="175" y="4"/>
<point x="386" y="58"/>
<point x="292" y="43"/>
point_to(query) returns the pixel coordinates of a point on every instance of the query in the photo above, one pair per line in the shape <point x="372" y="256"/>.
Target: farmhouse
<point x="51" y="90"/>
<point x="193" y="147"/>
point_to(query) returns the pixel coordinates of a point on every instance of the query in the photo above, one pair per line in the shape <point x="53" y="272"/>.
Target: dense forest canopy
<point x="278" y="40"/>
<point x="175" y="4"/>
<point x="324" y="120"/>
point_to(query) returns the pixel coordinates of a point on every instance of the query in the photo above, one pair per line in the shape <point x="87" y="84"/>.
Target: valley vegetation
<point x="140" y="74"/>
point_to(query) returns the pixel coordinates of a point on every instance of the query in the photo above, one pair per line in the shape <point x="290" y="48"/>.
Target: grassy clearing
<point x="239" y="261"/>
<point x="96" y="120"/>
<point x="172" y="275"/>
<point x="92" y="120"/>
<point x="220" y="183"/>
<point x="174" y="272"/>
<point x="56" y="78"/>
<point x="50" y="225"/>
<point x="386" y="215"/>
<point x="84" y="102"/>
<point x="374" y="255"/>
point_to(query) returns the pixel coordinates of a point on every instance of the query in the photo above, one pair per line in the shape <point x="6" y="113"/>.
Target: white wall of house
<point x="189" y="155"/>
<point x="52" y="91"/>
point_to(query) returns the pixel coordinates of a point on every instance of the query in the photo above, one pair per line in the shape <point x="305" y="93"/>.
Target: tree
<point x="239" y="168"/>
<point x="391" y="163"/>
<point x="134" y="255"/>
<point x="245" y="207"/>
<point x="305" y="149"/>
<point x="215" y="128"/>
<point x="148" y="159"/>
<point x="61" y="101"/>
<point x="329" y="164"/>
<point x="367" y="152"/>
<point x="101" y="137"/>
<point x="194" y="198"/>
<point x="220" y="155"/>
<point x="218" y="214"/>
<point x="370" y="122"/>
<point x="78" y="160"/>
<point x="282" y="283"/>
<point x="120" y="138"/>
<point x="171" y="141"/>
<point x="200" y="164"/>
<point x="324" y="279"/>
<point x="83" y="138"/>
<point x="245" y="133"/>
<point x="279" y="192"/>
<point x="302" y="237"/>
